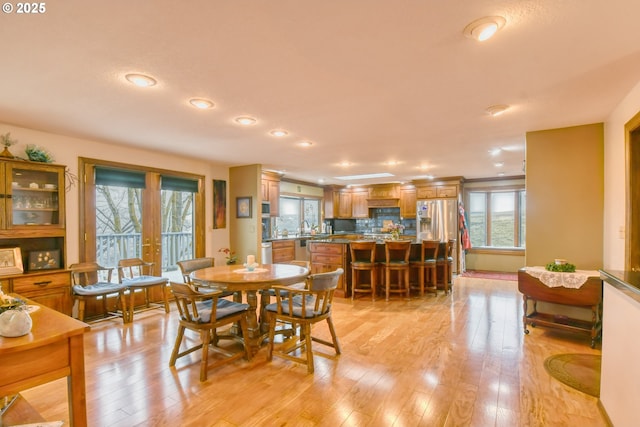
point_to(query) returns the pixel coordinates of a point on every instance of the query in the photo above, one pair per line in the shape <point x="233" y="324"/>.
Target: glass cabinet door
<point x="35" y="196"/>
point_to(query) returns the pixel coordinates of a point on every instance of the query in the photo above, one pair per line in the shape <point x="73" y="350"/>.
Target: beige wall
<point x="66" y="150"/>
<point x="565" y="193"/>
<point x="245" y="238"/>
<point x="615" y="180"/>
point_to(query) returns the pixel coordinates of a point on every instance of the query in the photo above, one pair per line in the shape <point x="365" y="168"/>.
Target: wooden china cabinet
<point x="32" y="218"/>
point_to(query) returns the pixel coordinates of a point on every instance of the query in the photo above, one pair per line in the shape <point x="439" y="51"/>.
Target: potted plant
<point x="230" y="255"/>
<point x="7" y="142"/>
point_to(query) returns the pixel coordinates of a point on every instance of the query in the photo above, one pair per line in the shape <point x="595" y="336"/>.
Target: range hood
<point x="383" y="203"/>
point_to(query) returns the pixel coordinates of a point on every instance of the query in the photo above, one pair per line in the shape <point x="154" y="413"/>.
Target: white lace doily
<point x="554" y="279"/>
<point x="256" y="270"/>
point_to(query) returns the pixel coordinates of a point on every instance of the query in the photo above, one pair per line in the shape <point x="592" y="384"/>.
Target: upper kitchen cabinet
<point x="448" y="188"/>
<point x="271" y="191"/>
<point x="359" y="204"/>
<point x="344" y="209"/>
<point x="408" y="202"/>
<point x="32" y="199"/>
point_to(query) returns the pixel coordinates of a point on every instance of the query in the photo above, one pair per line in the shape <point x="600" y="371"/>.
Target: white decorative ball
<point x="15" y="323"/>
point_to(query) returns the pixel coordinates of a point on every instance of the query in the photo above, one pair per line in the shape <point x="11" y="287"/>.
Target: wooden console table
<point x="53" y="349"/>
<point x="588" y="296"/>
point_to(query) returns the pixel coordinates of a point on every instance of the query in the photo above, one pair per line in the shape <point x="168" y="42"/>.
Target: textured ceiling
<point x="368" y="81"/>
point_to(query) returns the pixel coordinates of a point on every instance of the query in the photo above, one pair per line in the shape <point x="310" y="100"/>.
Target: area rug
<point x="495" y="275"/>
<point x="579" y="371"/>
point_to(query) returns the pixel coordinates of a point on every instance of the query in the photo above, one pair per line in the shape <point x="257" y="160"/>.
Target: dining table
<point x="251" y="282"/>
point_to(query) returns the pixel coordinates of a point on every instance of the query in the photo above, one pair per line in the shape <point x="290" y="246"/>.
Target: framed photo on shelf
<point x="10" y="261"/>
<point x="243" y="207"/>
<point x="44" y="260"/>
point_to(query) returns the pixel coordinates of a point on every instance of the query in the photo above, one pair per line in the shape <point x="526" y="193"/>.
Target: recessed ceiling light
<point x="246" y="120"/>
<point x="365" y="176"/>
<point x="496" y="110"/>
<point x="201" y="103"/>
<point x="484" y="28"/>
<point x="392" y="163"/>
<point x="320" y="180"/>
<point x="495" y="151"/>
<point x="305" y="143"/>
<point x="141" y="80"/>
<point x="500" y="173"/>
<point x="499" y="164"/>
<point x="278" y="133"/>
<point x="345" y="164"/>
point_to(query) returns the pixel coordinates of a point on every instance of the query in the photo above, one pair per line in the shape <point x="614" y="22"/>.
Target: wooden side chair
<point x="304" y="307"/>
<point x="137" y="275"/>
<point x="363" y="259"/>
<point x="427" y="265"/>
<point x="188" y="266"/>
<point x="89" y="280"/>
<point x="204" y="313"/>
<point x="397" y="260"/>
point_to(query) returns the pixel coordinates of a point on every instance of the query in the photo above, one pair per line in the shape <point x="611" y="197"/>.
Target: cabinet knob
<point x="45" y="283"/>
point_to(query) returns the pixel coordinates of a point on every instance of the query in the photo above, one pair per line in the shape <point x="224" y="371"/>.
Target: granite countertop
<point x="628" y="282"/>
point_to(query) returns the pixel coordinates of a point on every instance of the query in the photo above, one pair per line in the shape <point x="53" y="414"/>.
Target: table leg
<point x="252" y="320"/>
<point x="76" y="384"/>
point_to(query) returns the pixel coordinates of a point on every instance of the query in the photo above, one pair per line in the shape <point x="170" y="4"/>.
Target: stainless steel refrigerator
<point x="438" y="220"/>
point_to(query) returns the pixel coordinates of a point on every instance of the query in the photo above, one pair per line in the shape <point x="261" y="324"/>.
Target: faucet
<point x="305" y="226"/>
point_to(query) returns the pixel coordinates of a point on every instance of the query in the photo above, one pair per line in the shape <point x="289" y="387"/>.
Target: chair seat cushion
<point x="425" y="262"/>
<point x="363" y="264"/>
<point x="223" y="309"/>
<point x="100" y="288"/>
<point x="300" y="285"/>
<point x="309" y="303"/>
<point x="143" y="281"/>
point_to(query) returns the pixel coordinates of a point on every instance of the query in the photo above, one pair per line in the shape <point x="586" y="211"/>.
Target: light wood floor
<point x="455" y="360"/>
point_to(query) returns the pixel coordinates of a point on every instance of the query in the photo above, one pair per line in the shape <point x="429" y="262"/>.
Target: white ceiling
<point x="368" y="81"/>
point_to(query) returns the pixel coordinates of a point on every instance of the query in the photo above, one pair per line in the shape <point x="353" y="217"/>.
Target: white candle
<point x="251" y="259"/>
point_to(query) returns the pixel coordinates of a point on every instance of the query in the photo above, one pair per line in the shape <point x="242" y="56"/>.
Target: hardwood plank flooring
<point x="447" y="360"/>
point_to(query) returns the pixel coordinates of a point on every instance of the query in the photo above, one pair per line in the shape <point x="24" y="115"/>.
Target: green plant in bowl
<point x="560" y="268"/>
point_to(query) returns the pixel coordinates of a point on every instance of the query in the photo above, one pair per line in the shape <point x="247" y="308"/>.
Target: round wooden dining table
<point x="240" y="280"/>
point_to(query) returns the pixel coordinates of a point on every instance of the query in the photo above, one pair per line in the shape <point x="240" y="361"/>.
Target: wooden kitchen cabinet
<point x="271" y="191"/>
<point x="283" y="250"/>
<point x="344" y="204"/>
<point x="327" y="257"/>
<point x="32" y="218"/>
<point x="408" y="204"/>
<point x="446" y="189"/>
<point x="359" y="204"/>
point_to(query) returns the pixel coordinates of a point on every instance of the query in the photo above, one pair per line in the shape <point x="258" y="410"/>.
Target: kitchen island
<point x="332" y="253"/>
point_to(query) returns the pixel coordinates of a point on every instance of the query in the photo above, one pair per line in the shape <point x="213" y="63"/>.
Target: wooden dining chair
<point x="204" y="313"/>
<point x="137" y="275"/>
<point x="304" y="308"/>
<point x="188" y="266"/>
<point x="90" y="280"/>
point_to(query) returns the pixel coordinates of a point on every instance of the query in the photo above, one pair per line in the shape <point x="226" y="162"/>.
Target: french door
<point x="135" y="212"/>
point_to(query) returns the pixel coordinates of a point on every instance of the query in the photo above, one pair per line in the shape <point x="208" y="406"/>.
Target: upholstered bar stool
<point x="396" y="260"/>
<point x="363" y="259"/>
<point x="427" y="265"/>
<point x="444" y="263"/>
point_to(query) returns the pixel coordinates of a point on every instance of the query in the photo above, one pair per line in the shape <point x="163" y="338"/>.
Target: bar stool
<point x="397" y="259"/>
<point x="445" y="263"/>
<point x="363" y="258"/>
<point x="427" y="264"/>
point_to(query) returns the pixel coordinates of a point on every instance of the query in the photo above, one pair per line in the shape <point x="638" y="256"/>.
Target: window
<point x="496" y="218"/>
<point x="298" y="215"/>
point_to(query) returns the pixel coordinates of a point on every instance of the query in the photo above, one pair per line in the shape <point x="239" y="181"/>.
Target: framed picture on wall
<point x="243" y="207"/>
<point x="219" y="203"/>
<point x="43" y="260"/>
<point x="10" y="261"/>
